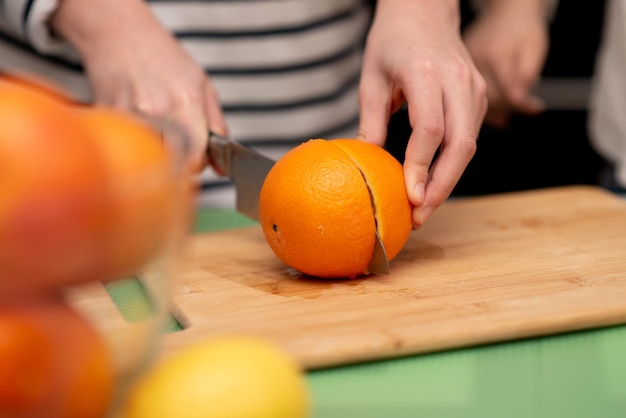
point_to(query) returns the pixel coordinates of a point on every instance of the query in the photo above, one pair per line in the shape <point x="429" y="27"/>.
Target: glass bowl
<point x="83" y="253"/>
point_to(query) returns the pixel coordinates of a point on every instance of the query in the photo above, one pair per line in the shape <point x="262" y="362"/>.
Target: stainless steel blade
<point x="249" y="169"/>
<point x="379" y="263"/>
<point x="246" y="167"/>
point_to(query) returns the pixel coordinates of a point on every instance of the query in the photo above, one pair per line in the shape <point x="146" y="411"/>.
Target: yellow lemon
<point x="225" y="377"/>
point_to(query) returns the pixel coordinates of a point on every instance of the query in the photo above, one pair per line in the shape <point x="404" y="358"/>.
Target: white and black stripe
<point x="285" y="70"/>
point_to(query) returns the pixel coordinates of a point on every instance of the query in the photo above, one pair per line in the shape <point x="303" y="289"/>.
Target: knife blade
<point x="248" y="168"/>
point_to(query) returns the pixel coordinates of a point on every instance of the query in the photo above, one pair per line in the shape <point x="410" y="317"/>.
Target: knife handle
<point x="218" y="153"/>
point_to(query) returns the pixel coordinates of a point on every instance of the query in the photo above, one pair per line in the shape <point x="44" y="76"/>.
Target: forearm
<point x="86" y="24"/>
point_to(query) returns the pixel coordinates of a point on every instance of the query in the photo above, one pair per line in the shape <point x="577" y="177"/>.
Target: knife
<point x="244" y="166"/>
<point x="247" y="168"/>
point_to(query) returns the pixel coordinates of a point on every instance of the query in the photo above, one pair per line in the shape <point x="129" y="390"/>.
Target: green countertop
<point x="576" y="375"/>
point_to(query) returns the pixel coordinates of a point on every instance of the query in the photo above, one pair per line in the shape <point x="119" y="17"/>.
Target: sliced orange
<point x="323" y="202"/>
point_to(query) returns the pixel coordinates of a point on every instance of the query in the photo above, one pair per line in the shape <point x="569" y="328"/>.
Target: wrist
<point x="521" y="8"/>
<point x="425" y="11"/>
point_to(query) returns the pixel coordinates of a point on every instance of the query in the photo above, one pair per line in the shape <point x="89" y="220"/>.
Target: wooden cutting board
<point x="482" y="270"/>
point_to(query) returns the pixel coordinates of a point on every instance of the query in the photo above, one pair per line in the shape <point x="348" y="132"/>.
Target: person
<point x="268" y="73"/>
<point x="509" y="42"/>
<point x="607" y="127"/>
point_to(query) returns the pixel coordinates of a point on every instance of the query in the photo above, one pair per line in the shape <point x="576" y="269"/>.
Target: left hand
<point x="509" y="43"/>
<point x="415" y="53"/>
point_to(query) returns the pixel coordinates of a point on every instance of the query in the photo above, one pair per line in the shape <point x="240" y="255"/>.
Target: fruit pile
<point x="86" y="194"/>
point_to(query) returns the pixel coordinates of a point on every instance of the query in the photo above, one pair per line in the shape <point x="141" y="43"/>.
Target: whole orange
<point x="323" y="202"/>
<point x="142" y="187"/>
<point x="40" y="85"/>
<point x="25" y="363"/>
<point x="71" y="374"/>
<point x="52" y="218"/>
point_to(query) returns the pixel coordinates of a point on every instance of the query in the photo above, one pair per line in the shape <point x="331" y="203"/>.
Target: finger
<point x="150" y="101"/>
<point x="530" y="63"/>
<point x="427" y="121"/>
<point x="374" y="98"/>
<point x="456" y="152"/>
<point x="528" y="67"/>
<point x="507" y="87"/>
<point x="484" y="106"/>
<point x="494" y="102"/>
<point x="117" y="96"/>
<point x="531" y="105"/>
<point x="187" y="130"/>
<point x="485" y="88"/>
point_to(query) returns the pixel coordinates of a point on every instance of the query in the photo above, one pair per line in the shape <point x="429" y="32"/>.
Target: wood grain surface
<point x="482" y="270"/>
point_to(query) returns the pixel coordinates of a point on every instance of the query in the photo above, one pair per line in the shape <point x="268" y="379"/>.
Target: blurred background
<point x="548" y="150"/>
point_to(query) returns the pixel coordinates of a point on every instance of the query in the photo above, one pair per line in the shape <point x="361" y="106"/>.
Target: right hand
<point x="134" y="63"/>
<point x="509" y="43"/>
<point x="415" y="53"/>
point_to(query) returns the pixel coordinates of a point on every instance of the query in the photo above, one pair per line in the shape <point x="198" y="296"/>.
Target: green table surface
<point x="571" y="375"/>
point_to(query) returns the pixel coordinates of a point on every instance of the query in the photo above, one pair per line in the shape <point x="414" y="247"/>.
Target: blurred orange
<point x="87" y="193"/>
<point x="323" y="202"/>
<point x="52" y="218"/>
<point x="25" y="363"/>
<point x="141" y="183"/>
<point x="39" y="85"/>
<point x="72" y="373"/>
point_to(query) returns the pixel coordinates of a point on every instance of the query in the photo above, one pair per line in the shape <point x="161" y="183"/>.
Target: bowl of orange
<point x="90" y="196"/>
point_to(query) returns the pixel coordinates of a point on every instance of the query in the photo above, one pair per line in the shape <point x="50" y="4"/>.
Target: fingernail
<point x="424" y="214"/>
<point x="419" y="191"/>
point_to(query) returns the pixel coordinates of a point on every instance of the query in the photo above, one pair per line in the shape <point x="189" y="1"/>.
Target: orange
<point x="39" y="85"/>
<point x="86" y="371"/>
<point x="142" y="187"/>
<point x="71" y="374"/>
<point x="51" y="194"/>
<point x="323" y="202"/>
<point x="87" y="193"/>
<point x="25" y="363"/>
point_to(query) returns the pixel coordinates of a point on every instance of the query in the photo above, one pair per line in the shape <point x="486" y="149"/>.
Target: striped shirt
<point x="285" y="70"/>
<point x="607" y="124"/>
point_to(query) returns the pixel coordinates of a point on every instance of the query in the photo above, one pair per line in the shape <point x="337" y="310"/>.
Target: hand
<point x="134" y="63"/>
<point x="509" y="43"/>
<point x="414" y="52"/>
